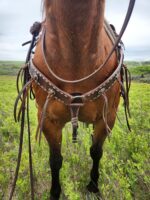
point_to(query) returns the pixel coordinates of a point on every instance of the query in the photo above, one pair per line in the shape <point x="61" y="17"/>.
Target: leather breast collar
<point x="76" y="101"/>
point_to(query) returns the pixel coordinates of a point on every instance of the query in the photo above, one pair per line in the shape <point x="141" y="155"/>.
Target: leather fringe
<point x="105" y="113"/>
<point x="23" y="92"/>
<point x="125" y="88"/>
<point x="41" y="122"/>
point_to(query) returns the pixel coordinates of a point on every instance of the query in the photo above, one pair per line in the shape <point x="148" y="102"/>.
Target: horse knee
<point x="56" y="162"/>
<point x="96" y="152"/>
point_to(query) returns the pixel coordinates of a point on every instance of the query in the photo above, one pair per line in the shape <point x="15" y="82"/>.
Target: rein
<point x="24" y="77"/>
<point x="30" y="73"/>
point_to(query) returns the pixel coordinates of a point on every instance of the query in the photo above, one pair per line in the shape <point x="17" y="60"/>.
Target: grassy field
<point x="124" y="168"/>
<point x="140" y="71"/>
<point x="9" y="67"/>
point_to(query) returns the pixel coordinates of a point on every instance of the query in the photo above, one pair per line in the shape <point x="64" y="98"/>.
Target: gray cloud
<point x="16" y="17"/>
<point x="138" y="31"/>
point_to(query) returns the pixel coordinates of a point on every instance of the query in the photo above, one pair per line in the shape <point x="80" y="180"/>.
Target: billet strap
<point x="74" y="111"/>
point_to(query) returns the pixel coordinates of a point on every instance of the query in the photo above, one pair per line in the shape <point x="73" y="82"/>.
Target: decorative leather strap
<point x="74" y="110"/>
<point x="67" y="98"/>
<point x="48" y="86"/>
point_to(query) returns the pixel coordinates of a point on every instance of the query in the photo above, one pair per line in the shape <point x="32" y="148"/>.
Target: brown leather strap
<point x="74" y="110"/>
<point x="103" y="87"/>
<point x="23" y="96"/>
<point x="30" y="150"/>
<point x="48" y="86"/>
<point x="67" y="98"/>
<point x="42" y="118"/>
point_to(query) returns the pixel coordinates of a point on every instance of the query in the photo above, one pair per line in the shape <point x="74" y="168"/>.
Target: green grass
<point x="137" y="69"/>
<point x="140" y="71"/>
<point x="124" y="168"/>
<point x="10" y="67"/>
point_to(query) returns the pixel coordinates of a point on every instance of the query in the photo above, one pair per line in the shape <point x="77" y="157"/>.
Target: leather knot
<point x="35" y="28"/>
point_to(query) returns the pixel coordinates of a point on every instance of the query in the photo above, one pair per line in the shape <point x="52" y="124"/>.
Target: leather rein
<point x="29" y="73"/>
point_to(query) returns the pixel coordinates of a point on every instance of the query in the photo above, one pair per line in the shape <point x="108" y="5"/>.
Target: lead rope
<point x="24" y="97"/>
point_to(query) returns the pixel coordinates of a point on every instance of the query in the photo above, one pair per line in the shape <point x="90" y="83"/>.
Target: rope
<point x="126" y="103"/>
<point x="24" y="97"/>
<point x="105" y="113"/>
<point x="30" y="151"/>
<point x="20" y="147"/>
<point x="41" y="122"/>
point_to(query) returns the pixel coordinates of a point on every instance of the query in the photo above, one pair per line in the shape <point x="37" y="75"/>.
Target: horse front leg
<point x="55" y="165"/>
<point x="53" y="134"/>
<point x="96" y="153"/>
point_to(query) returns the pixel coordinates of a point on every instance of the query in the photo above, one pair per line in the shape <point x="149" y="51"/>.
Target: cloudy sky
<point x="16" y="17"/>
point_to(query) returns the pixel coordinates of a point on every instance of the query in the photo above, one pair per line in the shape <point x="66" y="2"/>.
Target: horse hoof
<point x="53" y="198"/>
<point x="91" y="187"/>
<point x="55" y="193"/>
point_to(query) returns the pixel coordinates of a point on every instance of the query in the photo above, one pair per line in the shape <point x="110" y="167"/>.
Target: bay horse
<point x="76" y="43"/>
<point x="74" y="77"/>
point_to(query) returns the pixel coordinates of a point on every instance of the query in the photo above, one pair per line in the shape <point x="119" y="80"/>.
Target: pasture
<point x="124" y="168"/>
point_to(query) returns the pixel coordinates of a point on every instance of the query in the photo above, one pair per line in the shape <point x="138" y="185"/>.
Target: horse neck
<point x="74" y="32"/>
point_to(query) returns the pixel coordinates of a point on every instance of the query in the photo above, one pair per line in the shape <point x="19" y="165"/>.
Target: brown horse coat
<point x="76" y="45"/>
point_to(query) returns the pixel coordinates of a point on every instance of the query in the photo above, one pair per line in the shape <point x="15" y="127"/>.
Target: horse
<point x="76" y="43"/>
<point x="76" y="74"/>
